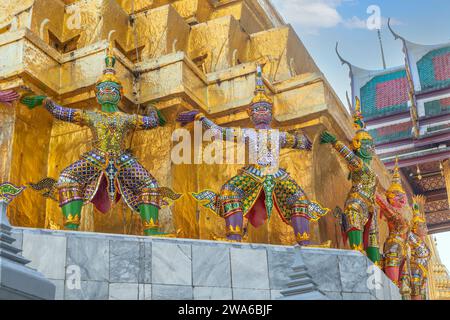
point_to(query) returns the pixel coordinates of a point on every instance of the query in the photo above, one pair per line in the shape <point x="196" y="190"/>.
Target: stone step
<point x="6" y="238"/>
<point x="310" y="287"/>
<point x="18" y="282"/>
<point x="297" y="275"/>
<point x="14" y="257"/>
<point x="9" y="247"/>
<point x="299" y="268"/>
<point x="5" y="228"/>
<point x="300" y="282"/>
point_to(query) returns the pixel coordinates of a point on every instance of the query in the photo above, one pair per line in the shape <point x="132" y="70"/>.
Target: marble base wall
<point x="103" y="266"/>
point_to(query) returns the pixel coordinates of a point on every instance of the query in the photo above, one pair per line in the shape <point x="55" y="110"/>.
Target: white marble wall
<point x="140" y="268"/>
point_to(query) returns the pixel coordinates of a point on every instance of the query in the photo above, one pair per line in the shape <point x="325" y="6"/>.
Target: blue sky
<point x="320" y="23"/>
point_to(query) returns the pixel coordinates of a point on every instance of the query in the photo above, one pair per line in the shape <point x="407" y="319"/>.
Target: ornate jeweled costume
<point x="9" y="191"/>
<point x="261" y="185"/>
<point x="108" y="171"/>
<point x="250" y="189"/>
<point x="359" y="204"/>
<point x="396" y="211"/>
<point x="359" y="220"/>
<point x="420" y="253"/>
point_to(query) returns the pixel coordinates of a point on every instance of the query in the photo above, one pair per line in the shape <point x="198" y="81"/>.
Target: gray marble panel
<point x="250" y="294"/>
<point x="354" y="273"/>
<point x="59" y="286"/>
<point x="212" y="293"/>
<point x="357" y="296"/>
<point x="395" y="292"/>
<point x="124" y="261"/>
<point x="249" y="269"/>
<point x="280" y="266"/>
<point x="386" y="286"/>
<point x="123" y="291"/>
<point x="147" y="291"/>
<point x="378" y="283"/>
<point x="47" y="254"/>
<point x="18" y="235"/>
<point x="378" y="293"/>
<point x="326" y="251"/>
<point x="90" y="290"/>
<point x="275" y="294"/>
<point x="91" y="255"/>
<point x="211" y="266"/>
<point x="170" y="292"/>
<point x="141" y="291"/>
<point x="333" y="295"/>
<point x="129" y="267"/>
<point x="324" y="269"/>
<point x="171" y="263"/>
<point x="146" y="261"/>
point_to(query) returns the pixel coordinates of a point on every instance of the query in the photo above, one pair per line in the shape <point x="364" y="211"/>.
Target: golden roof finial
<point x="110" y="53"/>
<point x="358" y="105"/>
<point x="396" y="185"/>
<point x="109" y="73"/>
<point x="260" y="90"/>
<point x="396" y="175"/>
<point x="359" y="126"/>
<point x="358" y="119"/>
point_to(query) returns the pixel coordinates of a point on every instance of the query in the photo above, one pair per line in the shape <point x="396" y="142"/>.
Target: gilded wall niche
<point x="217" y="40"/>
<point x="159" y="32"/>
<point x="93" y="21"/>
<point x="284" y="52"/>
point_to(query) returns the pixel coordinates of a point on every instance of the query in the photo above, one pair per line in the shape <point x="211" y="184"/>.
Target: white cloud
<point x="358" y="23"/>
<point x="312" y="15"/>
<point x="355" y="23"/>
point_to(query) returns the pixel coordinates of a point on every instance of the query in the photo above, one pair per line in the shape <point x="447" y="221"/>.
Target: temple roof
<point x="429" y="64"/>
<point x="382" y="92"/>
<point x="407" y="110"/>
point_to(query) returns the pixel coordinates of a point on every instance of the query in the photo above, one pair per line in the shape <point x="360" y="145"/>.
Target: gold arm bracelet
<point x="199" y="116"/>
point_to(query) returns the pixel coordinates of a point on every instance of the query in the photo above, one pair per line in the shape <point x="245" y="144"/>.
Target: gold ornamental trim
<point x="234" y="231"/>
<point x="358" y="247"/>
<point x="151" y="224"/>
<point x="302" y="236"/>
<point x="72" y="219"/>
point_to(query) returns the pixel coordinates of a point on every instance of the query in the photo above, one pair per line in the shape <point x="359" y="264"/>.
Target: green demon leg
<point x="355" y="239"/>
<point x="150" y="221"/>
<point x="72" y="214"/>
<point x="373" y="244"/>
<point x="373" y="254"/>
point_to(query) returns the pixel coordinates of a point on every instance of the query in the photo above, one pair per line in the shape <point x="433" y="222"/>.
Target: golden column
<point x="447" y="178"/>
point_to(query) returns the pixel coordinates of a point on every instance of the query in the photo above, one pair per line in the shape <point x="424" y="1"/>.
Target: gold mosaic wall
<point x="192" y="54"/>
